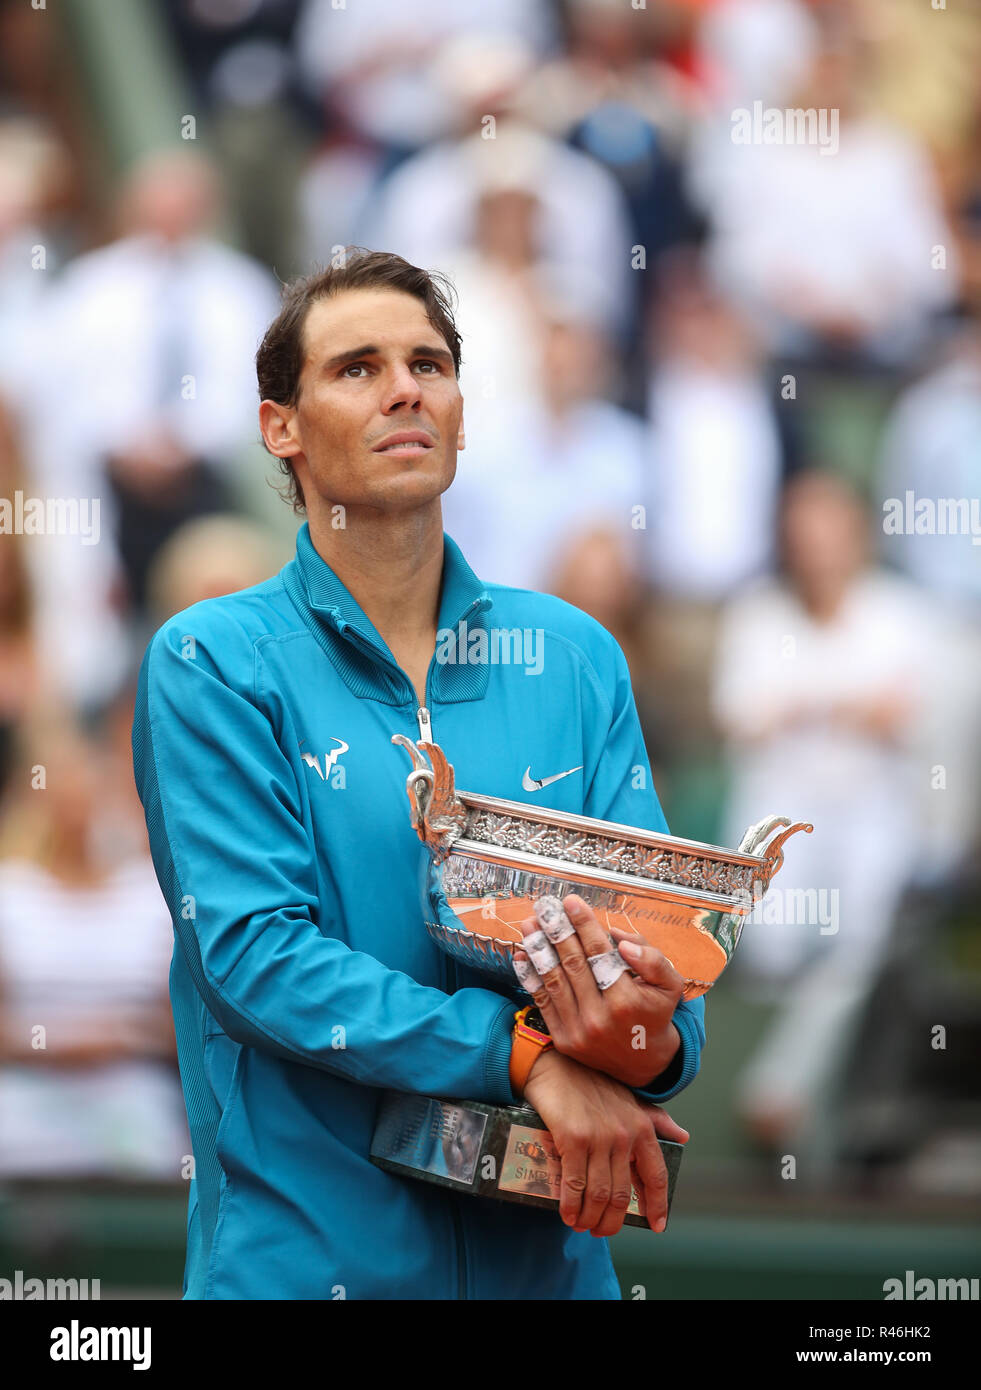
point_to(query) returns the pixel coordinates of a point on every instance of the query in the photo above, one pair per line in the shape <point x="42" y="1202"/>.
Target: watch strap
<point x="527" y="1045"/>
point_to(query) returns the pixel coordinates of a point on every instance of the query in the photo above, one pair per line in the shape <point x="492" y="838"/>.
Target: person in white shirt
<point x="834" y="247"/>
<point x="715" y="451"/>
<point x="376" y="63"/>
<point x="931" y="448"/>
<point x="930" y="459"/>
<point x="427" y="210"/>
<point x="88" y="1075"/>
<point x="145" y="363"/>
<point x="712" y="476"/>
<point x="821" y="686"/>
<point x="548" y="469"/>
<point x="752" y="49"/>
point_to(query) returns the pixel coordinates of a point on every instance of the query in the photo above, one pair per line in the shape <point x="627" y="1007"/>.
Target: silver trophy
<point x="489" y="861"/>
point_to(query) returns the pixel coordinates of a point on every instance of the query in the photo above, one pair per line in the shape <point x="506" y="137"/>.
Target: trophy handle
<point x="756" y="841"/>
<point x="439" y="817"/>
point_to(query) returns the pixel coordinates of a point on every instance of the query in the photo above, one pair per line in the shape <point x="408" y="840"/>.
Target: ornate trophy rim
<point x="603" y="878"/>
<point x="569" y="820"/>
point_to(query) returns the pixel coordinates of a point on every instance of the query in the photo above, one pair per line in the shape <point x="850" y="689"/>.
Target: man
<point x="303" y="980"/>
<point x="148" y="371"/>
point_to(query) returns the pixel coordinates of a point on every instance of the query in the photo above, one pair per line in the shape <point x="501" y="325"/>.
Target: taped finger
<point x="553" y="920"/>
<point x="528" y="977"/>
<point x="540" y="952"/>
<point x="606" y="967"/>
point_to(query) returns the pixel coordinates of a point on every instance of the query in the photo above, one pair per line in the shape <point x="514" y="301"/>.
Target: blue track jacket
<point x="303" y="981"/>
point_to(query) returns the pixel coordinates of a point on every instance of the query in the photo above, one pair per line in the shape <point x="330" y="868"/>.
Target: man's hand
<point x="624" y="1030"/>
<point x="607" y="1142"/>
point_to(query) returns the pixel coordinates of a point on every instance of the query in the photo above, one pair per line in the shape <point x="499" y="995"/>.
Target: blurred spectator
<point x="209" y="557"/>
<point x="598" y="574"/>
<point x="611" y="95"/>
<point x="448" y="72"/>
<point x="150" y="345"/>
<point x="498" y="289"/>
<point x="88" y="1079"/>
<point x="753" y="50"/>
<point x="39" y="227"/>
<point x="20" y="683"/>
<point x="501" y="281"/>
<point x="38" y="86"/>
<point x="34" y="178"/>
<point x="428" y="210"/>
<point x="932" y="448"/>
<point x="244" y="69"/>
<point x="610" y="53"/>
<point x="929" y="480"/>
<point x="375" y="63"/>
<point x="715" y="449"/>
<point x="236" y="51"/>
<point x="821" y="685"/>
<point x="832" y="248"/>
<point x="80" y="629"/>
<point x="594" y="574"/>
<point x="475" y="75"/>
<point x="528" y="487"/>
<point x="711" y="480"/>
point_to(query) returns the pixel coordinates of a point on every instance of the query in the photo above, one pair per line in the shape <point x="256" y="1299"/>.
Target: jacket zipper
<point x="424" y="720"/>
<point x="425" y="723"/>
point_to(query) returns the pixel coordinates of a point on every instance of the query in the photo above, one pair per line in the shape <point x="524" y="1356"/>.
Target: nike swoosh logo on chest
<point x="535" y="784"/>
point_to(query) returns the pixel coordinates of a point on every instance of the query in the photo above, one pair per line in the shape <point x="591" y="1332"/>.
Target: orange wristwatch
<point x="529" y="1040"/>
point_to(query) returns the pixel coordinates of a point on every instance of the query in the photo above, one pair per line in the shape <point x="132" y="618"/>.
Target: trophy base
<point x="501" y="1151"/>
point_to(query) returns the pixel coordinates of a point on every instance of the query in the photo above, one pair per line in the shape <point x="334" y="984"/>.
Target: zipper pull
<point x="425" y="725"/>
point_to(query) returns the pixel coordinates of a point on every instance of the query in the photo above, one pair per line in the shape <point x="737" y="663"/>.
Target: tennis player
<point x="303" y="981"/>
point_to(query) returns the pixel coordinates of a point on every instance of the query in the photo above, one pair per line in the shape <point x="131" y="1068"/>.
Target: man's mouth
<point x="407" y="442"/>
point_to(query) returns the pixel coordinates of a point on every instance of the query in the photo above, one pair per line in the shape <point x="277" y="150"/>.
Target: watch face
<point x="533" y="1019"/>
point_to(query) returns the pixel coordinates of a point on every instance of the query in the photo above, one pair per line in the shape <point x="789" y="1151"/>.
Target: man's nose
<point x="400" y="387"/>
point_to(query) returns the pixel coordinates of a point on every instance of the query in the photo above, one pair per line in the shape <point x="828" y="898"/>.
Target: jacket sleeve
<point x="622" y="790"/>
<point x="237" y="868"/>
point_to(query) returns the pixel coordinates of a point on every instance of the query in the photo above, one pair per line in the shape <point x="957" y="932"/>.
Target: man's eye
<point x="354" y="367"/>
<point x="428" y="363"/>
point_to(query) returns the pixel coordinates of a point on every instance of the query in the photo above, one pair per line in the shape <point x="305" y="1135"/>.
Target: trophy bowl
<point x="491" y="859"/>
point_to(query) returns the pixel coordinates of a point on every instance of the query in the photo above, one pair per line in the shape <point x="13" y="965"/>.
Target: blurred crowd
<point x="697" y="372"/>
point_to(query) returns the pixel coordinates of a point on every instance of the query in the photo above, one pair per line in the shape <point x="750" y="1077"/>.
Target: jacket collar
<point x="338" y="622"/>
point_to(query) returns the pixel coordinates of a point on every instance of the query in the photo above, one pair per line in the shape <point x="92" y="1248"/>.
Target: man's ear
<point x="461" y="440"/>
<point x="278" y="425"/>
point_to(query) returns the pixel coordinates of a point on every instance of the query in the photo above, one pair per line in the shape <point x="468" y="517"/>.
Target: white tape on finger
<point x="553" y="920"/>
<point x="607" y="968"/>
<point x="539" y="951"/>
<point x="528" y="978"/>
